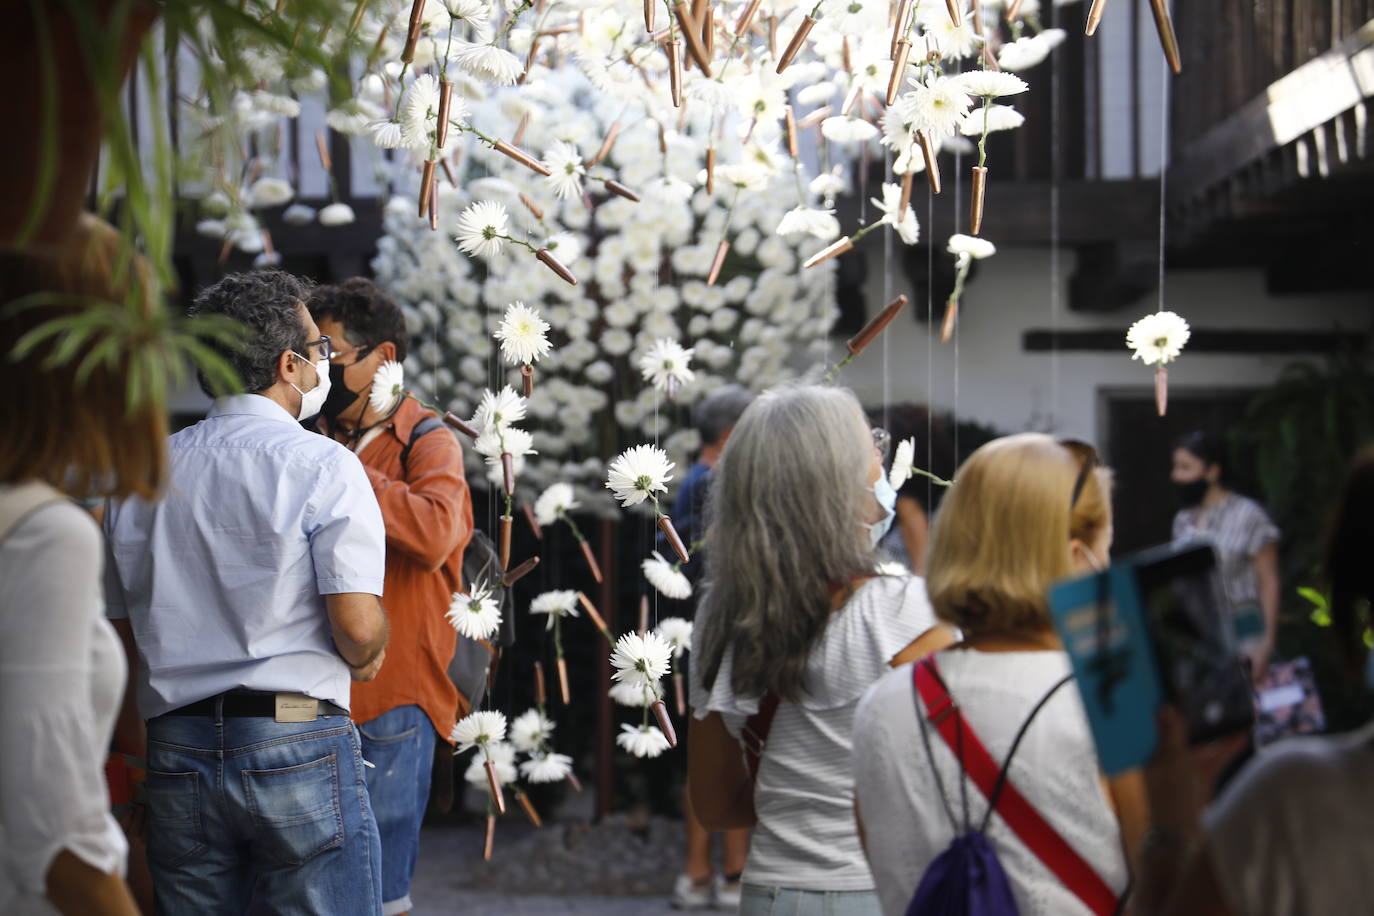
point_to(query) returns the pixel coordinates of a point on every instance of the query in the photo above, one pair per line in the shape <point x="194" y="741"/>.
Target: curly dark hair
<point x="269" y="303"/>
<point x="368" y="315"/>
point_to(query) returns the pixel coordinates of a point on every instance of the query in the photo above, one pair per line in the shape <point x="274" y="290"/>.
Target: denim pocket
<point x="295" y="810"/>
<point x="368" y="731"/>
<point x="175" y="834"/>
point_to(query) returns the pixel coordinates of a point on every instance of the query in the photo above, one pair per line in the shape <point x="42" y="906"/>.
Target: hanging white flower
<point x="488" y="62"/>
<point x="546" y="767"/>
<point x="475" y="615"/>
<point x="483" y="728"/>
<point x="499" y="410"/>
<point x="555" y="604"/>
<point x="1158" y="339"/>
<point x="1028" y="52"/>
<point x="501" y="754"/>
<point x="298" y="215"/>
<point x="556" y="500"/>
<point x="388" y="387"/>
<point x="481" y="228"/>
<point x="902" y="461"/>
<point x="386" y="133"/>
<point x="677" y="632"/>
<point x="966" y="247"/>
<point x="353" y="117"/>
<point x="663" y="576"/>
<point x="847" y="129"/>
<point x="565" y="170"/>
<point x="530" y="731"/>
<point x="270" y="192"/>
<point x="820" y="224"/>
<point x="511" y="441"/>
<point x="469" y="10"/>
<point x="419" y="112"/>
<point x="665" y="365"/>
<point x="642" y="660"/>
<point x="642" y="740"/>
<point x="991" y="120"/>
<point x="633" y="695"/>
<point x="934" y="108"/>
<point x="991" y="84"/>
<point x="523" y="335"/>
<point x="639" y="472"/>
<point x="904" y="221"/>
<point x="336" y="214"/>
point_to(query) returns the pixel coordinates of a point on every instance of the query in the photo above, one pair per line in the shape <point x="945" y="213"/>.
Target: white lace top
<point x="1055" y="768"/>
<point x="806" y="836"/>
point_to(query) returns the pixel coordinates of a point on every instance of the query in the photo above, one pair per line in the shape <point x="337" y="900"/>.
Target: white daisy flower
<point x="470" y="10"/>
<point x="665" y="365"/>
<point x="820" y="224"/>
<point x="642" y="660"/>
<point x="554" y="502"/>
<point x="666" y="189"/>
<point x="677" y="632"/>
<point x="480" y="228"/>
<point x="1158" y="339"/>
<point x="663" y="576"/>
<point x="483" y="728"/>
<point x="934" y="108"/>
<point x="523" y="335"/>
<point x="530" y="731"/>
<point x="298" y="215"/>
<point x="488" y="62"/>
<point x="746" y="176"/>
<point x="270" y="192"/>
<point x="557" y="603"/>
<point x="336" y="214"/>
<point x="827" y="184"/>
<point x="991" y="84"/>
<point x="847" y="129"/>
<point x="353" y="117"/>
<point x="904" y="222"/>
<point x="636" y="696"/>
<point x="642" y="740"/>
<point x="475" y="615"/>
<point x="546" y="767"/>
<point x="902" y="460"/>
<point x="637" y="473"/>
<point x="419" y="112"/>
<point x="494" y="442"/>
<point x="970" y="246"/>
<point x="388" y="387"/>
<point x="386" y="133"/>
<point x="503" y="755"/>
<point x="499" y="410"/>
<point x="993" y="119"/>
<point x="565" y="170"/>
<point x="566" y="245"/>
<point x="1028" y="52"/>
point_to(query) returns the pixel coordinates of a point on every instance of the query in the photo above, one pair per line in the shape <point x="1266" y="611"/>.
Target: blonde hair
<point x="76" y="435"/>
<point x="1001" y="537"/>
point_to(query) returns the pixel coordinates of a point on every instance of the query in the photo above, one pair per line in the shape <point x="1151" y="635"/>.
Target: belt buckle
<point x="296" y="707"/>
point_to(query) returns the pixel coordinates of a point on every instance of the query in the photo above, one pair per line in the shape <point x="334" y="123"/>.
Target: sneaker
<point x="725" y="894"/>
<point x="688" y="895"/>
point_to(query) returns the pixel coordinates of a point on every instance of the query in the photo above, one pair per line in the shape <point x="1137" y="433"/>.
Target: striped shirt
<point x="806" y="837"/>
<point x="1237" y="528"/>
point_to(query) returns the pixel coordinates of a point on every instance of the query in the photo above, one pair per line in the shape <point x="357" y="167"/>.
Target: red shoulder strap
<point x="1018" y="813"/>
<point x="755" y="733"/>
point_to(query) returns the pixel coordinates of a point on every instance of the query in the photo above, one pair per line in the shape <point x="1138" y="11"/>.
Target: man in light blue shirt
<point x="251" y="591"/>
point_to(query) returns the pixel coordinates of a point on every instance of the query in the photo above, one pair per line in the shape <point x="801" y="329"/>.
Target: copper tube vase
<point x="795" y="45"/>
<point x="980" y="187"/>
<point x="665" y="722"/>
<point x="504" y="540"/>
<point x="834" y="249"/>
<point x="665" y="524"/>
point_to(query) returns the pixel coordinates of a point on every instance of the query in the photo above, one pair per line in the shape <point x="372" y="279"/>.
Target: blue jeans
<point x="782" y="901"/>
<point x="249" y="815"/>
<point x="400" y="746"/>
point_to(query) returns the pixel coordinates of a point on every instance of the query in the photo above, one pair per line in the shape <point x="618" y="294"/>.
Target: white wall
<point x="989" y="377"/>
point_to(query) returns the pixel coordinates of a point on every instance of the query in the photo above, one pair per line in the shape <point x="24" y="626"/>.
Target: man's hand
<point x="370" y="670"/>
<point x="359" y="627"/>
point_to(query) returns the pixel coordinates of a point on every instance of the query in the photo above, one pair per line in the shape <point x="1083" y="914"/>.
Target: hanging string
<point x="1055" y="76"/>
<point x="1163" y="169"/>
<point x="887" y="297"/>
<point x="930" y="349"/>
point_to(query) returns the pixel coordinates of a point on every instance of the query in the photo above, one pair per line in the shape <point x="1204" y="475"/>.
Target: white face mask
<point x="313" y="400"/>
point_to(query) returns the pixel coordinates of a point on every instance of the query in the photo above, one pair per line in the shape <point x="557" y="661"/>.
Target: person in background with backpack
<point x="793" y="625"/>
<point x="1024" y="511"/>
<point x="415" y="466"/>
<point x="62" y="670"/>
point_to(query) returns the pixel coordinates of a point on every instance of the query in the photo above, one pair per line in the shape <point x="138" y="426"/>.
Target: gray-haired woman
<point x="793" y="626"/>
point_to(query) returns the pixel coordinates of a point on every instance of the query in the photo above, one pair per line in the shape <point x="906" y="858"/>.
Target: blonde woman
<point x="794" y="624"/>
<point x="1023" y="512"/>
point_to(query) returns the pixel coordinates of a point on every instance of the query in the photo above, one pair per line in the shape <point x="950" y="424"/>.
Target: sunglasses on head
<point x="1087" y="459"/>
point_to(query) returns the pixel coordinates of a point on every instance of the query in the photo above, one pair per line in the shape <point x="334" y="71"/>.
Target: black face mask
<point x="1190" y="494"/>
<point x="340" y="397"/>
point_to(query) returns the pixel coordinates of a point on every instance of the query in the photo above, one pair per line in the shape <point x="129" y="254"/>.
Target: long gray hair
<point x="785" y="513"/>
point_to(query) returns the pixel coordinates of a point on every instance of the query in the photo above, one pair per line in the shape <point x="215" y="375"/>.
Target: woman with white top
<point x="793" y="620"/>
<point x="1023" y="512"/>
<point x="62" y="669"/>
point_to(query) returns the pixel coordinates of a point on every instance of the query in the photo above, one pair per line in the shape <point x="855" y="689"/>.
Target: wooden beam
<point x="1297" y="104"/>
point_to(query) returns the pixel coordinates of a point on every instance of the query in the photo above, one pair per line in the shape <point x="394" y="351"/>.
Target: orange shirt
<point x="427" y="509"/>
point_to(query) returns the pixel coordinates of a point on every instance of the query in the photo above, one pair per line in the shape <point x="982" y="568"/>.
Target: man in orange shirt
<point x="415" y="466"/>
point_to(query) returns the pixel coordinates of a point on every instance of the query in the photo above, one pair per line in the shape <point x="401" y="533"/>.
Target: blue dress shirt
<point x="223" y="579"/>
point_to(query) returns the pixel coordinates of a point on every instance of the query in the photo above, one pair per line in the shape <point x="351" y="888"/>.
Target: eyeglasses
<point x="326" y="347"/>
<point x="882" y="441"/>
<point x="358" y="353"/>
<point x="1087" y="459"/>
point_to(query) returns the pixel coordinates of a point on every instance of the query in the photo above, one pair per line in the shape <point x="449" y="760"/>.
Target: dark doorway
<point x="1139" y="446"/>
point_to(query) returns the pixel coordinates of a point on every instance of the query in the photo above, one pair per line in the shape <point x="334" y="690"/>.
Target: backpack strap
<point x="22" y="501"/>
<point x="754" y="735"/>
<point x="426" y="426"/>
<point x="1018" y="813"/>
